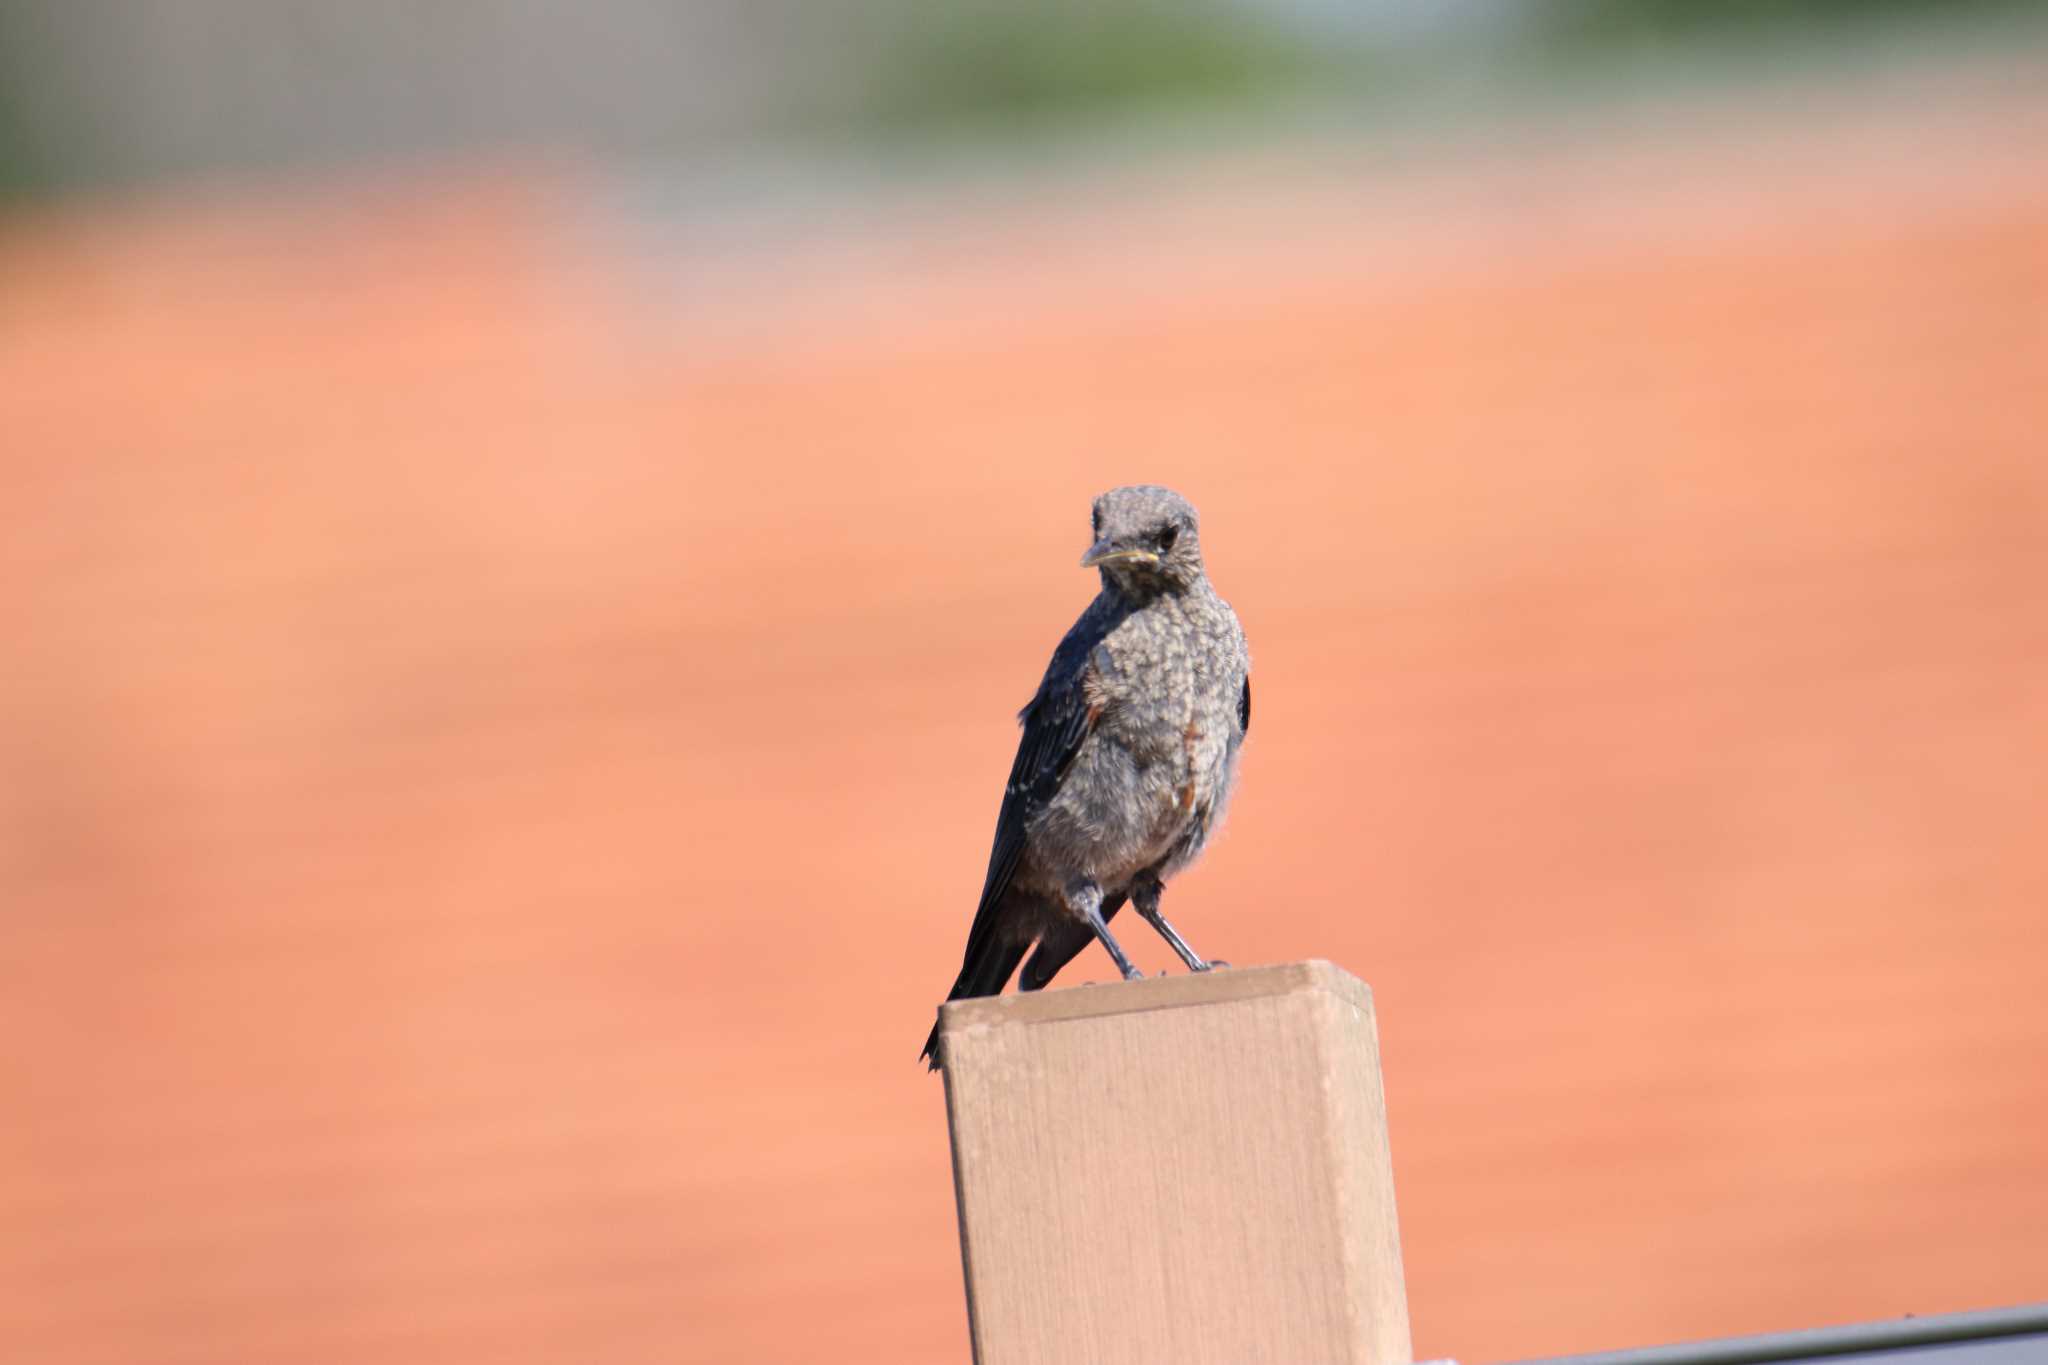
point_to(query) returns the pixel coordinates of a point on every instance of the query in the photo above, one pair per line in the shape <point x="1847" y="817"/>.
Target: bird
<point x="1127" y="760"/>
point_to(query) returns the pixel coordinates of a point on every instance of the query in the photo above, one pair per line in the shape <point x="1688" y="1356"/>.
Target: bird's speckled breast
<point x="1164" y="687"/>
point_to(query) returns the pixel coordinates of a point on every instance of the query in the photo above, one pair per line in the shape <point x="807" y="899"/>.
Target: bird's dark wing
<point x="1244" y="709"/>
<point x="1056" y="721"/>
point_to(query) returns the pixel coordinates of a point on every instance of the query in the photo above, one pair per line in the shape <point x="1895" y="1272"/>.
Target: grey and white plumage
<point x="1128" y="756"/>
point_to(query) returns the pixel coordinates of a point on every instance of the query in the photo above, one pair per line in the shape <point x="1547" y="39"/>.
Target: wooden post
<point x="1186" y="1168"/>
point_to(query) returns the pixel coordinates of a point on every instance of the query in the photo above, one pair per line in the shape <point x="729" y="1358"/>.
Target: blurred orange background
<point x="507" y="685"/>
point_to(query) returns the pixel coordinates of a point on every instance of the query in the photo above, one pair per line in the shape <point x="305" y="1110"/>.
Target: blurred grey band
<point x="2004" y="1335"/>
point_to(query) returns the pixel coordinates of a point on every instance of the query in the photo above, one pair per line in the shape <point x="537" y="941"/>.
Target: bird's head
<point x="1147" y="541"/>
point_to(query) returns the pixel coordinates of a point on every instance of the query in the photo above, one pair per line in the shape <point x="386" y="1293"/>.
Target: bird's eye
<point x="1095" y="520"/>
<point x="1167" y="537"/>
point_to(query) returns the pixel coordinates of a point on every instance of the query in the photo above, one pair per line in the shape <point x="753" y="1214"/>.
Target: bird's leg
<point x="1084" y="898"/>
<point x="1145" y="895"/>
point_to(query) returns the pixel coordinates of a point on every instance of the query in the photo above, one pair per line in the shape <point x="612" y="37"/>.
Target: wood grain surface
<point x="1177" y="1169"/>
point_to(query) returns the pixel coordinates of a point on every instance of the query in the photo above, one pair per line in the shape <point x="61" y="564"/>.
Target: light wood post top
<point x="1187" y="1168"/>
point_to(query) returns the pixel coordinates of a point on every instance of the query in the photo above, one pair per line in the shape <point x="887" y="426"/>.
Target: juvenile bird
<point x="1128" y="756"/>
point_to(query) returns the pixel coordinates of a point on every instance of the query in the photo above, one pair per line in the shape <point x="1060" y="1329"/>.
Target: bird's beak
<point x="1107" y="552"/>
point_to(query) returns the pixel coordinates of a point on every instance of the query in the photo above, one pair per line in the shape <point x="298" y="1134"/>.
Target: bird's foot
<point x="1212" y="964"/>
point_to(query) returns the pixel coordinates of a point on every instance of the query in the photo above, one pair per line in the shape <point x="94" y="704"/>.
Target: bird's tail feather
<point x="985" y="972"/>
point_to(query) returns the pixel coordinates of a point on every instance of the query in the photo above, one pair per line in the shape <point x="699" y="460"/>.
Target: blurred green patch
<point x="983" y="61"/>
<point x="22" y="164"/>
<point x="1606" y="24"/>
